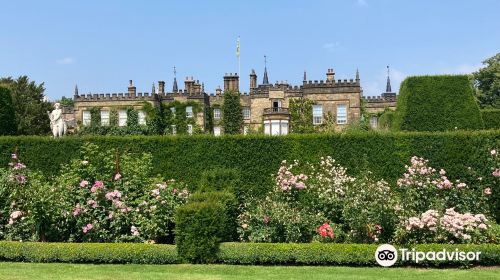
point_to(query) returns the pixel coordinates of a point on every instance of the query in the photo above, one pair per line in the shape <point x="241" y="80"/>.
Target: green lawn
<point x="10" y="271"/>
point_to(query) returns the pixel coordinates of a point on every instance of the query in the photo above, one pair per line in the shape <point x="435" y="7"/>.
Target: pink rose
<point x="84" y="183"/>
<point x="487" y="191"/>
<point x="117" y="176"/>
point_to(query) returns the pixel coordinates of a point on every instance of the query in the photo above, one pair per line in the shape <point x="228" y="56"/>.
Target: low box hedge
<point x="233" y="253"/>
<point x="341" y="254"/>
<point x="88" y="252"/>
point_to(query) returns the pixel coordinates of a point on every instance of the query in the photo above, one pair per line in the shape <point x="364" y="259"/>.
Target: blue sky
<point x="100" y="45"/>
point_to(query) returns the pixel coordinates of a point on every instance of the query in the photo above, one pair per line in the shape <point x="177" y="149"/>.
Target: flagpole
<point x="239" y="67"/>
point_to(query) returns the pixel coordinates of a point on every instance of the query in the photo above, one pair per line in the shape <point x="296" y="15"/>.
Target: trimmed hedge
<point x="230" y="253"/>
<point x="437" y="103"/>
<point x="491" y="118"/>
<point x="88" y="252"/>
<point x="198" y="231"/>
<point x="340" y="254"/>
<point x="185" y="158"/>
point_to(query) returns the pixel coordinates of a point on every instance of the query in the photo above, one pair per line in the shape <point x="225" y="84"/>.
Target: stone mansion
<point x="265" y="106"/>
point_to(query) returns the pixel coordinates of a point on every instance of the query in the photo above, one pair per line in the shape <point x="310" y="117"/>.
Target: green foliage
<point x="487" y="82"/>
<point x="386" y="119"/>
<point x="228" y="200"/>
<point x="132" y="118"/>
<point x="340" y="254"/>
<point x="95" y="117"/>
<point x="185" y="158"/>
<point x="491" y="118"/>
<point x="8" y="124"/>
<point x="437" y="103"/>
<point x="219" y="179"/>
<point x="232" y="116"/>
<point x="30" y="109"/>
<point x="199" y="229"/>
<point x="66" y="102"/>
<point x="301" y="116"/>
<point x="88" y="252"/>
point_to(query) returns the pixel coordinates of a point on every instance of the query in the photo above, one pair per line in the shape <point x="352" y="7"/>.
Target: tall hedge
<point x="257" y="157"/>
<point x="8" y="124"/>
<point x="491" y="118"/>
<point x="437" y="103"/>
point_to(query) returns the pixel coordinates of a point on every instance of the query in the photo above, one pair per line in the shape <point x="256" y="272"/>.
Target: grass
<point x="19" y="271"/>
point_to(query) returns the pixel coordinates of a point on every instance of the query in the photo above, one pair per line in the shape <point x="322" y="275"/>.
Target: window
<point x="174" y="129"/>
<point x="86" y="117"/>
<point x="245" y="130"/>
<point x="374" y="122"/>
<point x="317" y="114"/>
<point x="190" y="129"/>
<point x="267" y="127"/>
<point x="142" y="117"/>
<point x="104" y="118"/>
<point x="189" y="111"/>
<point x="276" y="127"/>
<point x="246" y="113"/>
<point x="217" y="113"/>
<point x="341" y="114"/>
<point x="217" y="130"/>
<point x="172" y="109"/>
<point x="122" y="117"/>
<point x="284" y="128"/>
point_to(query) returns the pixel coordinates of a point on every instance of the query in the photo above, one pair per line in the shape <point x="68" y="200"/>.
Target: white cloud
<point x="331" y="46"/>
<point x="462" y="69"/>
<point x="362" y="3"/>
<point x="66" y="60"/>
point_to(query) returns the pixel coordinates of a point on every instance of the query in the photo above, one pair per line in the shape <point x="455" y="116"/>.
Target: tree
<point x="487" y="83"/>
<point x="232" y="117"/>
<point x="7" y="113"/>
<point x="29" y="106"/>
<point x="301" y="120"/>
<point x="66" y="102"/>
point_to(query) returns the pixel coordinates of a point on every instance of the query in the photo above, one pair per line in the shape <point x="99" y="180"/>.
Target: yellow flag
<point x="238" y="47"/>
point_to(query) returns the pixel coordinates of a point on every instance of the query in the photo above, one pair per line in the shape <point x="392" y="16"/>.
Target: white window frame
<point x="141" y="116"/>
<point x="122" y="117"/>
<point x="246" y="128"/>
<point x="190" y="129"/>
<point x="172" y="109"/>
<point x="189" y="111"/>
<point x="374" y="121"/>
<point x="217" y="131"/>
<point x="246" y="113"/>
<point x="217" y="113"/>
<point x="341" y="113"/>
<point x="105" y="117"/>
<point x="173" y="128"/>
<point x="317" y="114"/>
<point x="86" y="118"/>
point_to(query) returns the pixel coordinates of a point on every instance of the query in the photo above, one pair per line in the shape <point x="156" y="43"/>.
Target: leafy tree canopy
<point x="487" y="83"/>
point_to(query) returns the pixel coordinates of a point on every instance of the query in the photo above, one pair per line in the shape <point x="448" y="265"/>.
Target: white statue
<point x="57" y="122"/>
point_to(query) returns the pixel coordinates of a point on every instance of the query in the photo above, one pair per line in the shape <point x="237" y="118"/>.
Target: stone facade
<point x="264" y="107"/>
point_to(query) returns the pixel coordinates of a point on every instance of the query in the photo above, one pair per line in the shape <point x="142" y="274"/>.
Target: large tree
<point x="7" y="114"/>
<point x="232" y="117"/>
<point x="29" y="105"/>
<point x="487" y="82"/>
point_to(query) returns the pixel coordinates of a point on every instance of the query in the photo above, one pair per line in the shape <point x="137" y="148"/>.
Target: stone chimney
<point x="231" y="82"/>
<point x="131" y="89"/>
<point x="218" y="91"/>
<point x="253" y="80"/>
<point x="188" y="84"/>
<point x="330" y="75"/>
<point x="161" y="87"/>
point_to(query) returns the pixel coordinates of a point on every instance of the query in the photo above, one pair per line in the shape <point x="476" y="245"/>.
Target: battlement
<point x="379" y="99"/>
<point x="332" y="83"/>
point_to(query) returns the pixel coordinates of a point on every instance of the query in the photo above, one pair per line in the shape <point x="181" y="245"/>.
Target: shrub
<point x="491" y="118"/>
<point x="8" y="125"/>
<point x="199" y="229"/>
<point x="231" y="211"/>
<point x="437" y="103"/>
<point x="386" y="119"/>
<point x="339" y="254"/>
<point x="88" y="252"/>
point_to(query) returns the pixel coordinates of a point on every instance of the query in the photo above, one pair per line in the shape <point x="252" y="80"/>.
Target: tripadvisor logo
<point x="387" y="255"/>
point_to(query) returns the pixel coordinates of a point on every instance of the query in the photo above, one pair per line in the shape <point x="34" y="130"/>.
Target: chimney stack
<point x="330" y="75"/>
<point x="231" y="82"/>
<point x="131" y="89"/>
<point x="253" y="80"/>
<point x="161" y="87"/>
